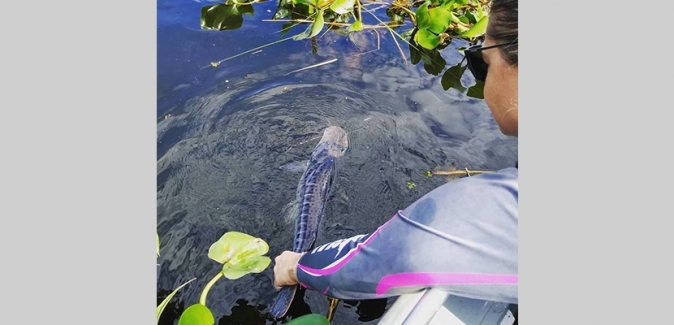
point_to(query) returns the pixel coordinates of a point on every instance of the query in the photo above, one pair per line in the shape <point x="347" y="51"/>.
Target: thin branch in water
<point x="312" y="66"/>
<point x="215" y="64"/>
<point x="460" y="172"/>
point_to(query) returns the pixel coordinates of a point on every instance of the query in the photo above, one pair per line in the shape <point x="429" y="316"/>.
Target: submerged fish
<point x="313" y="191"/>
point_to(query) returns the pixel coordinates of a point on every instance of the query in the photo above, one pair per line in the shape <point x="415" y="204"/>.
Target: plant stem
<point x="204" y="293"/>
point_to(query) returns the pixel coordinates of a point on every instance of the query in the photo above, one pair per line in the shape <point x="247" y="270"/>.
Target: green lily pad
<point x="233" y="243"/>
<point x="427" y="39"/>
<point x="254" y="264"/>
<point x="197" y="315"/>
<point x="342" y="6"/>
<point x="168" y="298"/>
<point x="310" y="319"/>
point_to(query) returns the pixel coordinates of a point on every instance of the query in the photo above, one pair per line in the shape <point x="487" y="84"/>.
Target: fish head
<point x="336" y="140"/>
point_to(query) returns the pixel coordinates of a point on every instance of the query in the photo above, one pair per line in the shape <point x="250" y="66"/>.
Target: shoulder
<point x="485" y="195"/>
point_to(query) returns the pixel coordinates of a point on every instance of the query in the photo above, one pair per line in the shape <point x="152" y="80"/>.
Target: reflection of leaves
<point x="434" y="63"/>
<point x="224" y="17"/>
<point x="452" y="78"/>
<point x="476" y="91"/>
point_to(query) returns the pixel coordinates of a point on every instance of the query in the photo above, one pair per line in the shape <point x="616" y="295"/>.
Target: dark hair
<point x="503" y="27"/>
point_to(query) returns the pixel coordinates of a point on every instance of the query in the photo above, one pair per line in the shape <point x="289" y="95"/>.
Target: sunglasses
<point x="476" y="63"/>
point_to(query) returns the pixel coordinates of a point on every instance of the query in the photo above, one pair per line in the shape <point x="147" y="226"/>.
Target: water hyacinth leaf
<point x="342" y="6"/>
<point x="440" y="19"/>
<point x="452" y="78"/>
<point x="464" y="19"/>
<point x="423" y="18"/>
<point x="309" y="319"/>
<point x="168" y="298"/>
<point x="426" y="39"/>
<point x="197" y="315"/>
<point x="228" y="246"/>
<point x="472" y="18"/>
<point x="478" y="29"/>
<point x="318" y="24"/>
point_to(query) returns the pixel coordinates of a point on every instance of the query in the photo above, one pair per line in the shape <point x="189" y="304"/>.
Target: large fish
<point x="313" y="191"/>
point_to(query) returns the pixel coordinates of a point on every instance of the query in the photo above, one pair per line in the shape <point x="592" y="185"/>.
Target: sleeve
<point x="461" y="237"/>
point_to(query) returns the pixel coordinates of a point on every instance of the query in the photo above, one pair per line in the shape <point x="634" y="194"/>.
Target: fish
<point x="313" y="191"/>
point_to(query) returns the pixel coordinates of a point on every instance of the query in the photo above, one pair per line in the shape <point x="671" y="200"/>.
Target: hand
<point x="285" y="270"/>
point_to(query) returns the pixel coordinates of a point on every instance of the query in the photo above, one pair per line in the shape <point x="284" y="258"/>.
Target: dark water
<point x="231" y="127"/>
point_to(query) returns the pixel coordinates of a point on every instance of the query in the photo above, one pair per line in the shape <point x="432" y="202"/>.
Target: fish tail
<point x="283" y="301"/>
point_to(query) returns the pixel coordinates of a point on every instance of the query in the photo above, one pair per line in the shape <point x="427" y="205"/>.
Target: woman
<point x="460" y="237"/>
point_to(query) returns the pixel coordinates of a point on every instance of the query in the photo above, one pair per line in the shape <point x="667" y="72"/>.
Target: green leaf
<point x="157" y="244"/>
<point x="440" y="19"/>
<point x="478" y="29"/>
<point x="423" y="18"/>
<point x="476" y="91"/>
<point x="452" y="78"/>
<point x="356" y="26"/>
<point x="309" y="319"/>
<point x="342" y="6"/>
<point x="480" y="13"/>
<point x="464" y="19"/>
<point x="428" y="173"/>
<point x="472" y="18"/>
<point x="232" y="272"/>
<point x="411" y="185"/>
<point x="427" y="39"/>
<point x="318" y="24"/>
<point x="234" y="243"/>
<point x="197" y="315"/>
<point x="168" y="298"/>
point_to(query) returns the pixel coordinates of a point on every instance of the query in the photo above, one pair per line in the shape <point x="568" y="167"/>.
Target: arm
<point x="461" y="237"/>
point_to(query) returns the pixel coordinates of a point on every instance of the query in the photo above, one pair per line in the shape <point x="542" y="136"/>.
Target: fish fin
<point x="295" y="166"/>
<point x="290" y="210"/>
